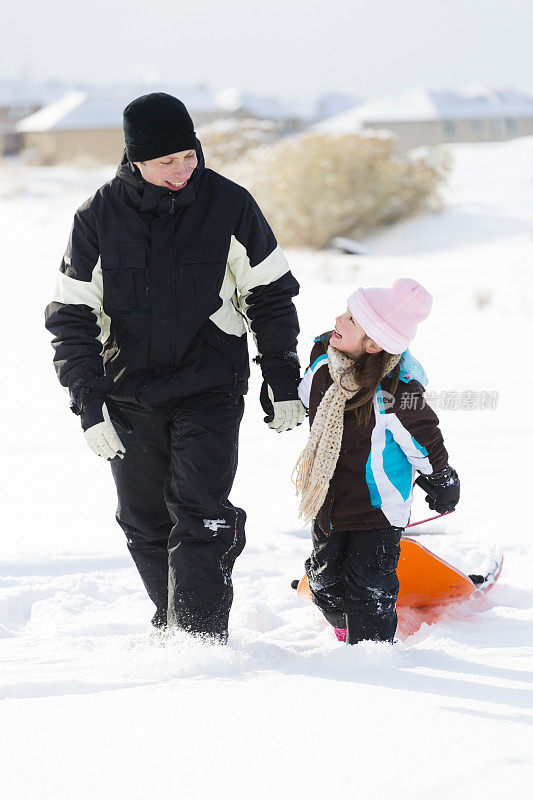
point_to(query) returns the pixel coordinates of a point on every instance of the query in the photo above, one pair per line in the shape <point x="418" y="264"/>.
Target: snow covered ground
<point x="91" y="707"/>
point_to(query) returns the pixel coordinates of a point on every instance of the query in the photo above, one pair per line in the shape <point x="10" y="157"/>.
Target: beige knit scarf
<point x="316" y="464"/>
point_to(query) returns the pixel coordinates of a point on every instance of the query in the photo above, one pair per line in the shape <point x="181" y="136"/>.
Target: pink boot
<point x="340" y="633"/>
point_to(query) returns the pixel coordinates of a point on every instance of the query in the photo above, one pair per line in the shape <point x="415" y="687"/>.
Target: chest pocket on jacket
<point x="124" y="275"/>
<point x="203" y="266"/>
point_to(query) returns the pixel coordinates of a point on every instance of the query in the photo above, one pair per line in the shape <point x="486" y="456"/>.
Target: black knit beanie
<point x="156" y="125"/>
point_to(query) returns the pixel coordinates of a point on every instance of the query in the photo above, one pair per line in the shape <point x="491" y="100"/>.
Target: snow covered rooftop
<point x="103" y="108"/>
<point x="263" y="106"/>
<point x="52" y="116"/>
<point x="433" y="104"/>
<point x="23" y="91"/>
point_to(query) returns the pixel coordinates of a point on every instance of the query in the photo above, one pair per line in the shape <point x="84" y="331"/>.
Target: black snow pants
<point x="173" y="485"/>
<point x="352" y="577"/>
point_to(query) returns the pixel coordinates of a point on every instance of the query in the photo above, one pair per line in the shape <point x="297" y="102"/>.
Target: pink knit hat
<point x="390" y="316"/>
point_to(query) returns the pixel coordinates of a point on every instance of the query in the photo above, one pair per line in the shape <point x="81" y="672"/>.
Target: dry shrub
<point x="226" y="140"/>
<point x="313" y="186"/>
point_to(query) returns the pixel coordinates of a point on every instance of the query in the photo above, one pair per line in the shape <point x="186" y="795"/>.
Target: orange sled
<point x="427" y="584"/>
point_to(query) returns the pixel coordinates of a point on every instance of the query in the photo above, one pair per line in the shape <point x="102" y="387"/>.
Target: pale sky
<point x="289" y="48"/>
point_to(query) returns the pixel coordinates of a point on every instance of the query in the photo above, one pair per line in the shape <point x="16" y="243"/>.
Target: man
<point x="165" y="264"/>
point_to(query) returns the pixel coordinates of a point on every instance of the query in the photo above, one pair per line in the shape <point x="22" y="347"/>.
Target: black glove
<point x="442" y="489"/>
<point x="89" y="395"/>
<point x="264" y="399"/>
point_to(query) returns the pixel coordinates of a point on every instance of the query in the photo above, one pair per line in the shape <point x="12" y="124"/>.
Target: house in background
<point x="19" y="97"/>
<point x="428" y="116"/>
<point x="289" y="116"/>
<point x="86" y="125"/>
<point x="334" y="103"/>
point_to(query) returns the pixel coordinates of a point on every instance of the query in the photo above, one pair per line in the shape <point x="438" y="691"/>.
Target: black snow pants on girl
<point x="352" y="577"/>
<point x="173" y="485"/>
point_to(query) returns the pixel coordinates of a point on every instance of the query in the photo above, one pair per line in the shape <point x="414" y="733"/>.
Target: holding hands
<point x="279" y="393"/>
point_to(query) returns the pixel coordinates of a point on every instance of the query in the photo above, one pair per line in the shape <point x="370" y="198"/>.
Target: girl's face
<point x="349" y="336"/>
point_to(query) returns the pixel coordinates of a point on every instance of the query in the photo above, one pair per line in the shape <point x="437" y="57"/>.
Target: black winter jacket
<point x="154" y="287"/>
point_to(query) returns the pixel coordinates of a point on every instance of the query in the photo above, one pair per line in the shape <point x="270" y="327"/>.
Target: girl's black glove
<point x="442" y="489"/>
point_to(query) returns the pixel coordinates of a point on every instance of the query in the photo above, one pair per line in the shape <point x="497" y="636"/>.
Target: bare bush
<point x="224" y="141"/>
<point x="314" y="186"/>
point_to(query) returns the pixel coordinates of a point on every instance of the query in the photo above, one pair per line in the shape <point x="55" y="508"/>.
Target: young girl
<point x="371" y="430"/>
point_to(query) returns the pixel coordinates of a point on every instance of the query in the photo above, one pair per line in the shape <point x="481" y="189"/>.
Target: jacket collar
<point x="411" y="369"/>
<point x="149" y="197"/>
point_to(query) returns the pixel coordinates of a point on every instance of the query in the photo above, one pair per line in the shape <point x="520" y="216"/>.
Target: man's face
<point x="349" y="337"/>
<point x="172" y="172"/>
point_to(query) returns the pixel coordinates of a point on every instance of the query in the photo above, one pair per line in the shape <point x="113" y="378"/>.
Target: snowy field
<point x="92" y="707"/>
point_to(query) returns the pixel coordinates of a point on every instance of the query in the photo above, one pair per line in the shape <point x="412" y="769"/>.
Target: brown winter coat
<point x="372" y="484"/>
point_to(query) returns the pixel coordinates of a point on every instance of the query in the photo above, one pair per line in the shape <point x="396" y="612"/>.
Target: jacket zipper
<point x="173" y="279"/>
<point x="147" y="288"/>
